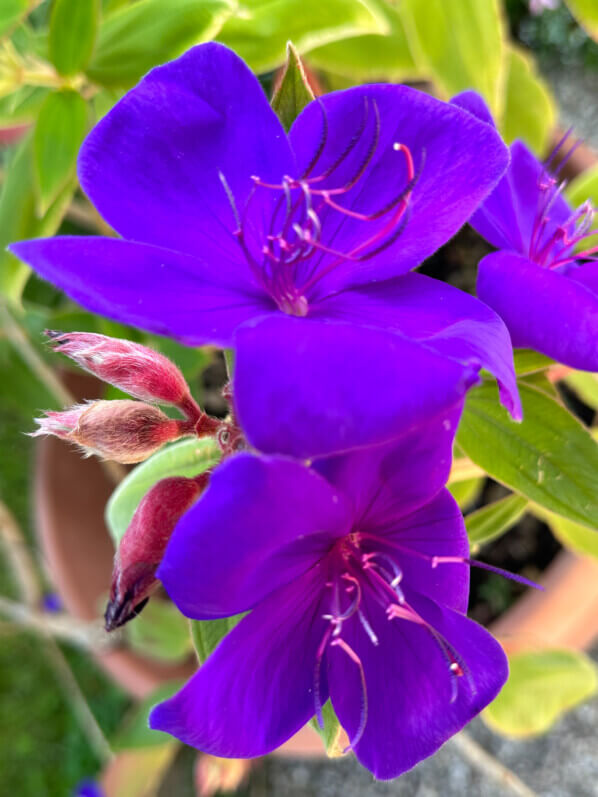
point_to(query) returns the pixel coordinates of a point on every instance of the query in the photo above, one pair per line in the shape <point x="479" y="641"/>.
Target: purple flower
<point x="236" y="234"/>
<point x="544" y="289"/>
<point x="88" y="788"/>
<point x="356" y="577"/>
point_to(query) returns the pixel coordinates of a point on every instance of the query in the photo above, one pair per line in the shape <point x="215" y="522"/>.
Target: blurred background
<point x="72" y="705"/>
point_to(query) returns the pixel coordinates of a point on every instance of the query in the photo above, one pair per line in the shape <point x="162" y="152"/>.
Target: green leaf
<point x="585" y="385"/>
<point x="332" y="732"/>
<point x="160" y="632"/>
<point x="11" y="13"/>
<point x="259" y="35"/>
<point x="586" y="13"/>
<point x="529" y="110"/>
<point x="542" y="686"/>
<point x="540" y="381"/>
<point x="459" y="42"/>
<point x="493" y="520"/>
<point x="528" y="361"/>
<point x="136" y="37"/>
<point x="185" y="458"/>
<point x="19" y="218"/>
<point x="206" y="634"/>
<point x="293" y="92"/>
<point x="549" y="457"/>
<point x="22" y="106"/>
<point x="73" y="29"/>
<point x="59" y="132"/>
<point x="371" y="57"/>
<point x="135" y="733"/>
<point x="571" y="535"/>
<point x="466" y="491"/>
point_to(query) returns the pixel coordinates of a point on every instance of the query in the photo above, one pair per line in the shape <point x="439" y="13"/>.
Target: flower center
<point x="555" y="246"/>
<point x="295" y="248"/>
<point x="360" y="568"/>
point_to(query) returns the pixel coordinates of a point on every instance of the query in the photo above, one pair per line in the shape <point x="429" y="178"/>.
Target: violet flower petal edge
<point x="543" y="309"/>
<point x="280" y="518"/>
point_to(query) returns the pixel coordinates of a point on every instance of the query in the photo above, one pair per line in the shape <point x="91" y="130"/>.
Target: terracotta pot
<point x="70" y="496"/>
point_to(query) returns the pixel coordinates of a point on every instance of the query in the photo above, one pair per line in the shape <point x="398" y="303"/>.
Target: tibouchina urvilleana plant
<point x="327" y="522"/>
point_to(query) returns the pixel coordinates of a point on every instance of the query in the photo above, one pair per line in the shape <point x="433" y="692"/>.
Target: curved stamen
<point x="348" y="149"/>
<point x="317" y="676"/>
<point x="363" y="718"/>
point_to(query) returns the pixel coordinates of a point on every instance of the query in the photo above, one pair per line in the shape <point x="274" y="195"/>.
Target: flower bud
<point x="125" y="431"/>
<point x="216" y="775"/>
<point x="143" y="544"/>
<point x="135" y="369"/>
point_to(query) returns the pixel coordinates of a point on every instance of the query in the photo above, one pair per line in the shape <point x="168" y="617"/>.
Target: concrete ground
<point x="563" y="763"/>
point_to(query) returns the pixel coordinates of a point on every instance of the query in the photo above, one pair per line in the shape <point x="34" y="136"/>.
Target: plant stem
<point x="95" y="735"/>
<point x="486" y="763"/>
<point x="27" y="615"/>
<point x="23" y="346"/>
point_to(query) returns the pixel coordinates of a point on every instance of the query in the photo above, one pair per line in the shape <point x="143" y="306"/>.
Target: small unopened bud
<point x="125" y="431"/>
<point x="135" y="369"/>
<point x="143" y="544"/>
<point x="215" y="775"/>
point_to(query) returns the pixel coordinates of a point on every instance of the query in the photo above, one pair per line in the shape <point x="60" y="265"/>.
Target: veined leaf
<point x="459" y="42"/>
<point x="585" y="384"/>
<point x="586" y="13"/>
<point x="73" y="30"/>
<point x="465" y="492"/>
<point x="59" y="132"/>
<point x="573" y="536"/>
<point x="495" y="519"/>
<point x="259" y="35"/>
<point x="528" y="361"/>
<point x="293" y="92"/>
<point x="135" y="733"/>
<point x="160" y="632"/>
<point x="11" y="13"/>
<point x="542" y="686"/>
<point x="529" y="108"/>
<point x="185" y="458"/>
<point x="374" y="56"/>
<point x="19" y="218"/>
<point x="550" y="457"/>
<point x="206" y="634"/>
<point x="136" y="37"/>
<point x="332" y="734"/>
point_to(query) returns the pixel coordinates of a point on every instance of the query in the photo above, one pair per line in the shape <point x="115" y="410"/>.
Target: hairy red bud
<point x="125" y="431"/>
<point x="142" y="547"/>
<point x="137" y="370"/>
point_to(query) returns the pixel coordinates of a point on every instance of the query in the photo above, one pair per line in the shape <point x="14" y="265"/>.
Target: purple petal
<point x="409" y="684"/>
<point x="151" y="165"/>
<point x="156" y="289"/>
<point x="279" y="518"/>
<point x="460" y="159"/>
<point x="544" y="310"/>
<point x="435" y="530"/>
<point x="325" y="388"/>
<point x="388" y="482"/>
<point x="257" y="688"/>
<point x="475" y="104"/>
<point x="507" y="219"/>
<point x="447" y="320"/>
